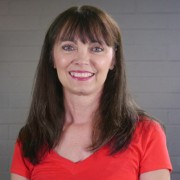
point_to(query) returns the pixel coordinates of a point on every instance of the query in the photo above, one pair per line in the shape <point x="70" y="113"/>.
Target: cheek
<point x="104" y="63"/>
<point x="60" y="62"/>
<point x="58" y="58"/>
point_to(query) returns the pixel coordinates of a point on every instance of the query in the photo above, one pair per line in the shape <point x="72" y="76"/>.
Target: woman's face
<point x="82" y="68"/>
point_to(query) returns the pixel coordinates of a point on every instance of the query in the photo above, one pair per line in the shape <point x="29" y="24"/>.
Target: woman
<point x="82" y="122"/>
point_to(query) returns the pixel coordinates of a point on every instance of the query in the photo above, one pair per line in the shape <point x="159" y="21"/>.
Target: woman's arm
<point x="17" y="177"/>
<point x="162" y="174"/>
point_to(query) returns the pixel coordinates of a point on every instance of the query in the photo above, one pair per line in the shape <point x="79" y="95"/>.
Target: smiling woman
<point x="83" y="123"/>
<point x="82" y="68"/>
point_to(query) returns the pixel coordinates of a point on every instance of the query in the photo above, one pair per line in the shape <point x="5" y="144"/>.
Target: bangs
<point x="88" y="27"/>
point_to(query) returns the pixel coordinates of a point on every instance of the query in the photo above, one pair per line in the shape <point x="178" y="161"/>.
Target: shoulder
<point x="148" y="132"/>
<point x="148" y="125"/>
<point x="20" y="165"/>
<point x="150" y="138"/>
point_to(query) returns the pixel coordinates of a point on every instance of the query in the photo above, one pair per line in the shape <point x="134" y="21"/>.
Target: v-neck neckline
<point x="87" y="160"/>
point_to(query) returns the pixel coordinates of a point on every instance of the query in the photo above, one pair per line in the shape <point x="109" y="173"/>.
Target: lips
<point x="78" y="74"/>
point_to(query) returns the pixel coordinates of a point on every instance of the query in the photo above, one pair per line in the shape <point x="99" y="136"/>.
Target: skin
<point x="81" y="93"/>
<point x="82" y="70"/>
<point x="75" y="56"/>
<point x="162" y="174"/>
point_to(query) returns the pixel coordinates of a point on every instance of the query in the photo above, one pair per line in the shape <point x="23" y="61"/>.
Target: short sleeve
<point x="20" y="165"/>
<point x="155" y="153"/>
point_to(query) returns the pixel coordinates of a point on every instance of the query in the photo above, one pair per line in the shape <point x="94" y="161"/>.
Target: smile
<point x="81" y="74"/>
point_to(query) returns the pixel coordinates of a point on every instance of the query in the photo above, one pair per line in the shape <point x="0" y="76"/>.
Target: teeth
<point x="75" y="74"/>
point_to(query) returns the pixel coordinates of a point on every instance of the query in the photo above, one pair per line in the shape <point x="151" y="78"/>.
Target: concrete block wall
<point x="151" y="36"/>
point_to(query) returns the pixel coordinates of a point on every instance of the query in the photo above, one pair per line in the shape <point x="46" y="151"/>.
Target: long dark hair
<point x="117" y="113"/>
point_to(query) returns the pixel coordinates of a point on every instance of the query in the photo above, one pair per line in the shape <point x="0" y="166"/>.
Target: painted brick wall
<point x="151" y="35"/>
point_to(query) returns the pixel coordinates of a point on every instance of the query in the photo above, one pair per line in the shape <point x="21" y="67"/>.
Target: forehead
<point x="87" y="29"/>
<point x="81" y="35"/>
<point x="78" y="39"/>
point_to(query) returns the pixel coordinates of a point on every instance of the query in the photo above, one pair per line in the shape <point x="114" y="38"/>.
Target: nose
<point x="83" y="56"/>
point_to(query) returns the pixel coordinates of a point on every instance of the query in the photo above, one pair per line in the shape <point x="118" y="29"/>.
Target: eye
<point x="68" y="47"/>
<point x="97" y="49"/>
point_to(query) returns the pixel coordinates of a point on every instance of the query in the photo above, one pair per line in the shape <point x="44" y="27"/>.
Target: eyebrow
<point x="65" y="40"/>
<point x="99" y="42"/>
<point x="87" y="41"/>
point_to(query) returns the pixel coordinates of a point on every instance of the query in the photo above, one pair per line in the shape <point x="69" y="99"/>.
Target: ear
<point x="112" y="63"/>
<point x="111" y="67"/>
<point x="52" y="60"/>
<point x="54" y="65"/>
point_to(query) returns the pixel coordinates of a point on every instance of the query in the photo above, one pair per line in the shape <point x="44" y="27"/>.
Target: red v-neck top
<point x="146" y="152"/>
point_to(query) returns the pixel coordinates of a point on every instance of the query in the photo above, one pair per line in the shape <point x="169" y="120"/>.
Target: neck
<point x="80" y="108"/>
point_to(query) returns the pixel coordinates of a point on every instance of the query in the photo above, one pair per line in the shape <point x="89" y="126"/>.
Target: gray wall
<point x="151" y="35"/>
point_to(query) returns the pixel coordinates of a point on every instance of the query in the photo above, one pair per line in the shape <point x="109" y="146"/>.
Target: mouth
<point x="81" y="74"/>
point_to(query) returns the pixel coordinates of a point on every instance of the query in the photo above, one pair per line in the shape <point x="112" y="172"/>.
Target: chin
<point x="82" y="93"/>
